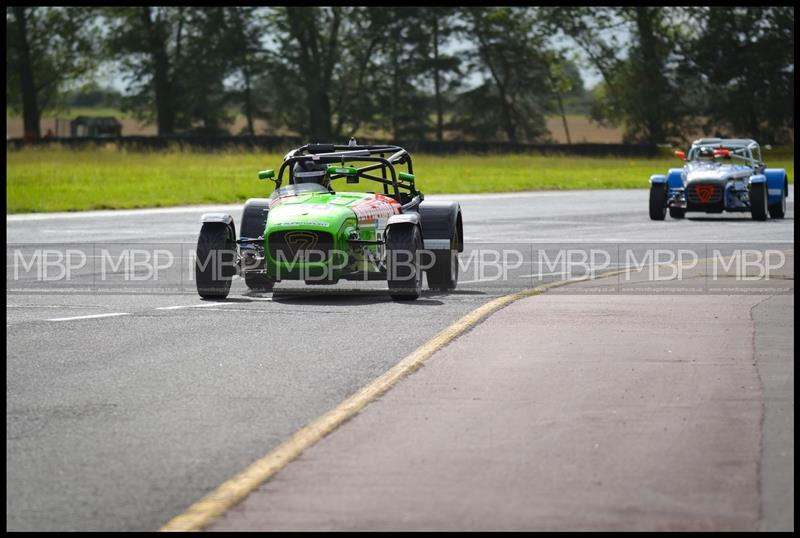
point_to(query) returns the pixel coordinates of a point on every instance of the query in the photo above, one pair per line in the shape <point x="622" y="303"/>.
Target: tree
<point x="516" y="93"/>
<point x="209" y="53"/>
<point x="440" y="24"/>
<point x="147" y="41"/>
<point x="560" y="84"/>
<point x="309" y="47"/>
<point x="46" y="49"/>
<point x="639" y="88"/>
<point x="649" y="85"/>
<point x="340" y="72"/>
<point x="92" y="95"/>
<point x="399" y="80"/>
<point x="357" y="97"/>
<point x="249" y="61"/>
<point x="176" y="61"/>
<point x="743" y="61"/>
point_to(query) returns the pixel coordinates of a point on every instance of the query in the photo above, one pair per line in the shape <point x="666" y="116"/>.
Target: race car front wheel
<point x="658" y="201"/>
<point x="444" y="273"/>
<point x="778" y="211"/>
<point x="677" y="212"/>
<point x="216" y="256"/>
<point x="259" y="282"/>
<point x="404" y="276"/>
<point x="758" y="201"/>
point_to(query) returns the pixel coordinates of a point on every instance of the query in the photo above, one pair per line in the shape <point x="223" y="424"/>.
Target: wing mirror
<point x="266" y="174"/>
<point x="406" y="177"/>
<point x="680" y="154"/>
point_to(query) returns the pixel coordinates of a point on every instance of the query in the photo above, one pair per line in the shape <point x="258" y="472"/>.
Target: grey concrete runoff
<point x="566" y="413"/>
<point x="121" y="422"/>
<point x="774" y="347"/>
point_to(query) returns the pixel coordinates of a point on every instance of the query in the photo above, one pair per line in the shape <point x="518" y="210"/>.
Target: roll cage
<point x="743" y="149"/>
<point x="397" y="185"/>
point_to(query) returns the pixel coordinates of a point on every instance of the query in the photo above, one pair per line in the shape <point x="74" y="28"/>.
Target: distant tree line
<point x="470" y="73"/>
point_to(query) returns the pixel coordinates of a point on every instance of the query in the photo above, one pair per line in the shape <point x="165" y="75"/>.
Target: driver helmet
<point x="705" y="154"/>
<point x="311" y="172"/>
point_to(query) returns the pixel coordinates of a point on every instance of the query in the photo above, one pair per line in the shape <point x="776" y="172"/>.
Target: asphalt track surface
<point x="593" y="417"/>
<point x="120" y="422"/>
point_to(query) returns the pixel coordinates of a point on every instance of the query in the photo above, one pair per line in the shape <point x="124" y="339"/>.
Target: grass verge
<point x="60" y="179"/>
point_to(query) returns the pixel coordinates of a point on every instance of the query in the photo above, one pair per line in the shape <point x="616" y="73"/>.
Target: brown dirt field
<point x="581" y="129"/>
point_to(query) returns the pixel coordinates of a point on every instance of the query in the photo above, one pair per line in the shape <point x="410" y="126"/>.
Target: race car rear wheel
<point x="658" y="201"/>
<point x="677" y="212"/>
<point x="259" y="282"/>
<point x="404" y="276"/>
<point x="216" y="254"/>
<point x="778" y="211"/>
<point x="444" y="273"/>
<point x="758" y="201"/>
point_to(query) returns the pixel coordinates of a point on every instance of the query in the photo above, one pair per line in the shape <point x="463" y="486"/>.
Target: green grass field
<point x="60" y="179"/>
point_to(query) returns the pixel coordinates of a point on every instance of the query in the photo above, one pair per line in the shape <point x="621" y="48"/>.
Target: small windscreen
<point x="314" y="174"/>
<point x="300" y="188"/>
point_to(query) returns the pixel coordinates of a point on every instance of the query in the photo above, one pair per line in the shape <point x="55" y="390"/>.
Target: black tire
<point x="254" y="218"/>
<point x="444" y="273"/>
<point x="216" y="252"/>
<point x="758" y="201"/>
<point x="658" y="201"/>
<point x="778" y="211"/>
<point x="402" y="246"/>
<point x="259" y="282"/>
<point x="677" y="212"/>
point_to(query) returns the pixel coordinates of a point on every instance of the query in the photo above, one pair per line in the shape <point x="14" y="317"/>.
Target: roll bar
<point x="335" y="153"/>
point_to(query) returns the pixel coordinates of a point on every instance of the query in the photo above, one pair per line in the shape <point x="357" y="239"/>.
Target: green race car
<point x="307" y="231"/>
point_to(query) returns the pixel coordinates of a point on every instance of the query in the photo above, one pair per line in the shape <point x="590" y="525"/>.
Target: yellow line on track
<point x="203" y="512"/>
<point x="229" y="493"/>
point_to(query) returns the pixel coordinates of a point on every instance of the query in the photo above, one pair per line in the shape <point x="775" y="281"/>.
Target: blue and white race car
<point x="720" y="174"/>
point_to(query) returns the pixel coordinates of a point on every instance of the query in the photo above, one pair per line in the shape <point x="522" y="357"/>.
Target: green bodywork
<point x="328" y="213"/>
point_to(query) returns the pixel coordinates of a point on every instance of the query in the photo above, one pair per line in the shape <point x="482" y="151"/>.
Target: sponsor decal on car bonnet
<point x="375" y="207"/>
